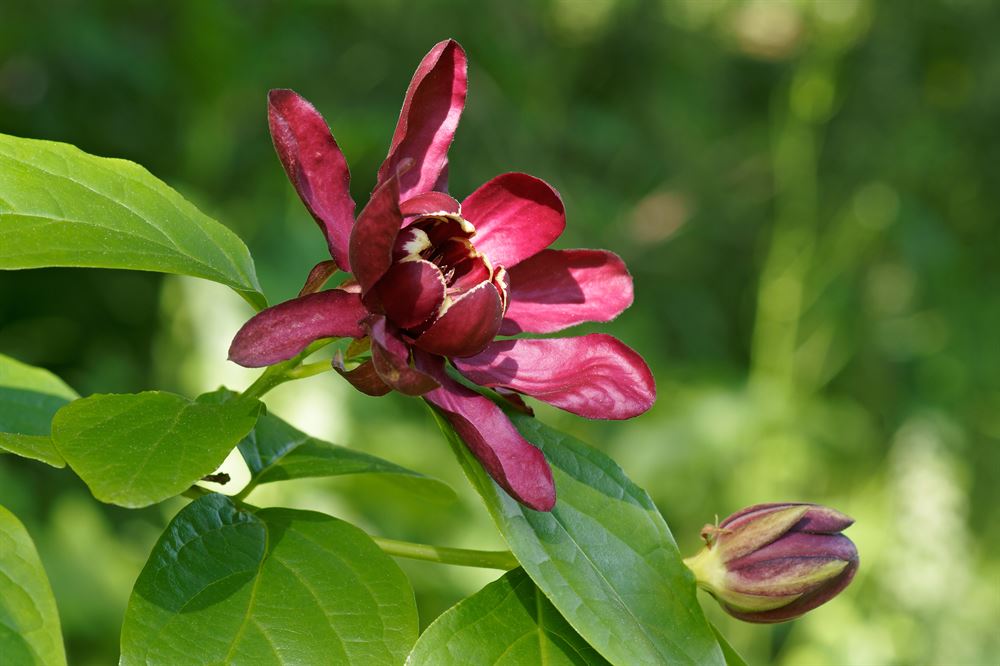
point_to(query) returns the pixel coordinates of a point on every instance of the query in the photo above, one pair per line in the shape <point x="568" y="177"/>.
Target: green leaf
<point x="604" y="555"/>
<point x="733" y="657"/>
<point x="275" y="451"/>
<point x="508" y="622"/>
<point x="29" y="622"/>
<point x="60" y="206"/>
<point x="29" y="397"/>
<point x="138" y="449"/>
<point x="36" y="447"/>
<point x="268" y="586"/>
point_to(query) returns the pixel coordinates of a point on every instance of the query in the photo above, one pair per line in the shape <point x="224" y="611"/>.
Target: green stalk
<point x="484" y="559"/>
<point x="279" y="373"/>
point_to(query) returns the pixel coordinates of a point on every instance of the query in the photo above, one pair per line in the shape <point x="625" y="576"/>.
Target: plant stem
<point x="309" y="369"/>
<point x="484" y="559"/>
<point x="279" y="373"/>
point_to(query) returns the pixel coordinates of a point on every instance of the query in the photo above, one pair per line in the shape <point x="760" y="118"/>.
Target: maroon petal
<point x="391" y="358"/>
<point x="315" y="165"/>
<point x="410" y="293"/>
<point x="318" y="276"/>
<point x="364" y="377"/>
<point x="374" y="235"/>
<point x="799" y="545"/>
<point x="556" y="289"/>
<point x="817" y="519"/>
<point x="595" y="376"/>
<point x="513" y="462"/>
<point x="282" y="331"/>
<point x="467" y="326"/>
<point x="516" y="216"/>
<point x="428" y="120"/>
<point x="429" y="203"/>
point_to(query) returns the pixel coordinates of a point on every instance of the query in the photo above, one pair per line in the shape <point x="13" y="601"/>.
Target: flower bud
<point x="775" y="562"/>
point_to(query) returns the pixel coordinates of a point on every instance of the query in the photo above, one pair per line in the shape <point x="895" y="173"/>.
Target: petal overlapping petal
<point x="410" y="293"/>
<point x="596" y="376"/>
<point x="517" y="465"/>
<point x="427" y="122"/>
<point x="318" y="277"/>
<point x="364" y="377"/>
<point x="391" y="358"/>
<point x="556" y="289"/>
<point x="315" y="165"/>
<point x="429" y="203"/>
<point x="516" y="216"/>
<point x="467" y="326"/>
<point x="374" y="235"/>
<point x="282" y="331"/>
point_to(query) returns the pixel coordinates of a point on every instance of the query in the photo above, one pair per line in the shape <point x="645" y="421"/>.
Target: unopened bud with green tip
<point x="774" y="562"/>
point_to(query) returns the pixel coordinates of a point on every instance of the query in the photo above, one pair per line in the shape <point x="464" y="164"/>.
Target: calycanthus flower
<point x="436" y="281"/>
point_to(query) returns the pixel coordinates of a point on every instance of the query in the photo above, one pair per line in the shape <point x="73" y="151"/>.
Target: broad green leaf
<point x="29" y="622"/>
<point x="733" y="658"/>
<point x="29" y="397"/>
<point x="138" y="449"/>
<point x="36" y="447"/>
<point x="276" y="451"/>
<point x="60" y="206"/>
<point x="509" y="622"/>
<point x="604" y="555"/>
<point x="267" y="586"/>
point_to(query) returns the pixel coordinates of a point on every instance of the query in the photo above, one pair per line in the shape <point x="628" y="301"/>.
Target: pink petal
<point x="467" y="326"/>
<point x="364" y="377"/>
<point x="391" y="358"/>
<point x="282" y="331"/>
<point x="410" y="293"/>
<point x="428" y="119"/>
<point x="556" y="289"/>
<point x="315" y="165"/>
<point x="318" y="276"/>
<point x="513" y="462"/>
<point x="595" y="376"/>
<point x="516" y="216"/>
<point x="429" y="203"/>
<point x="374" y="235"/>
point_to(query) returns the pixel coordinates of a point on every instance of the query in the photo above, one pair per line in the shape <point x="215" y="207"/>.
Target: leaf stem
<point x="279" y="373"/>
<point x="309" y="369"/>
<point x="484" y="559"/>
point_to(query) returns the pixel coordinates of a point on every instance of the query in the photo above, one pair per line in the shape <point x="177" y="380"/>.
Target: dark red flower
<point x="437" y="280"/>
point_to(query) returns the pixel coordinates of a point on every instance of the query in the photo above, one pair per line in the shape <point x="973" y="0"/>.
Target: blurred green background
<point x="805" y="192"/>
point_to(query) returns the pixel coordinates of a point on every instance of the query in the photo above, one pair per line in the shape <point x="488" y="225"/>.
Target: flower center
<point x="446" y="242"/>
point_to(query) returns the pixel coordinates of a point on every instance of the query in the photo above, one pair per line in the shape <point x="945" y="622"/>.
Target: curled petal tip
<point x="315" y="165"/>
<point x="427" y="122"/>
<point x="516" y="464"/>
<point x="282" y="331"/>
<point x="595" y="376"/>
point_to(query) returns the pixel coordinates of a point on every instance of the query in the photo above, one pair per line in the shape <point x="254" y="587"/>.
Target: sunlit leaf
<point x="137" y="449"/>
<point x="603" y="556"/>
<point x="29" y="397"/>
<point x="275" y="451"/>
<point x="271" y="586"/>
<point x="29" y="623"/>
<point x="60" y="206"/>
<point x="507" y="623"/>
